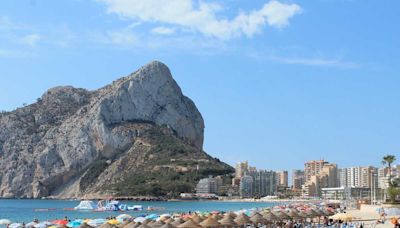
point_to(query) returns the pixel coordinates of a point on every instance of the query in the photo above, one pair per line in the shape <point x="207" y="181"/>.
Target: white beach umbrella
<point x="30" y="225"/>
<point x="96" y="222"/>
<point x="139" y="219"/>
<point x="5" y="221"/>
<point x="40" y="225"/>
<point x="123" y="217"/>
<point x="15" y="225"/>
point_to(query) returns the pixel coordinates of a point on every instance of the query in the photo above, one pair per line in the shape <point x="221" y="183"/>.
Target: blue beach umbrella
<point x="152" y="216"/>
<point x="75" y="223"/>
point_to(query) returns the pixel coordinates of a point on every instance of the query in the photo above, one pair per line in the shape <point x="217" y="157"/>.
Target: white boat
<point x="135" y="208"/>
<point x="86" y="205"/>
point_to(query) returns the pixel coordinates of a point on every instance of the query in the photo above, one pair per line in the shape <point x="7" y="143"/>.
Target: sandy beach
<point x="369" y="216"/>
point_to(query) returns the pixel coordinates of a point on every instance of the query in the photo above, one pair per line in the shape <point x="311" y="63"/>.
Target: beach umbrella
<point x="124" y="223"/>
<point x="84" y="225"/>
<point x="136" y="225"/>
<point x="144" y="226"/>
<point x="167" y="225"/>
<point x="216" y="216"/>
<point x="168" y="221"/>
<point x="280" y="214"/>
<point x="40" y="225"/>
<point x="96" y="222"/>
<point x="293" y="214"/>
<point x="106" y="225"/>
<point x="342" y="216"/>
<point x="139" y="219"/>
<point x="209" y="222"/>
<point x="60" y="222"/>
<point x="5" y="222"/>
<point x="227" y="220"/>
<point x="166" y="215"/>
<point x="152" y="216"/>
<point x="177" y="222"/>
<point x="123" y="217"/>
<point x="15" y="225"/>
<point x="113" y="222"/>
<point x="189" y="224"/>
<point x="231" y="214"/>
<point x="158" y="223"/>
<point x="30" y="225"/>
<point x="257" y="218"/>
<point x="130" y="225"/>
<point x="312" y="213"/>
<point x="242" y="219"/>
<point x="303" y="214"/>
<point x="196" y="218"/>
<point x="318" y="212"/>
<point x="75" y="223"/>
<point x="271" y="217"/>
<point x="47" y="223"/>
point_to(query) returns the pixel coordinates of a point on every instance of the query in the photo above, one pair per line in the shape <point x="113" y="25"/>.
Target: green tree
<point x="392" y="193"/>
<point x="388" y="160"/>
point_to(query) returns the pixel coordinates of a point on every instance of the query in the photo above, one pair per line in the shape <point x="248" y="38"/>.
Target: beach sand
<point x="369" y="217"/>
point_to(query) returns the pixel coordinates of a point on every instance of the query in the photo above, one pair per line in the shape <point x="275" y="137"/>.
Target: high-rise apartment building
<point x="361" y="177"/>
<point x="319" y="174"/>
<point x="298" y="179"/>
<point x="383" y="177"/>
<point x="264" y="182"/>
<point x="282" y="178"/>
<point x="246" y="186"/>
<point x="241" y="169"/>
<point x="313" y="168"/>
<point x="208" y="185"/>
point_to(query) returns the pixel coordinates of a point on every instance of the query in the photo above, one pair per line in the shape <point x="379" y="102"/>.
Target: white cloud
<point x="317" y="60"/>
<point x="30" y="40"/>
<point x="4" y="53"/>
<point x="202" y="16"/>
<point x="163" y="30"/>
<point x="7" y="24"/>
<point x="122" y="37"/>
<point x="323" y="62"/>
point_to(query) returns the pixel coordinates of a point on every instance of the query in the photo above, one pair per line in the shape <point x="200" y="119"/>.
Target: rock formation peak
<point x="59" y="145"/>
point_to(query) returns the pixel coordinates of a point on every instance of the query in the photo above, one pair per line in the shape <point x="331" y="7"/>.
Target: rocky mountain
<point x="137" y="136"/>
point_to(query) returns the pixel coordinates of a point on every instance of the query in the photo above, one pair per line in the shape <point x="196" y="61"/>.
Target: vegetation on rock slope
<point x="171" y="166"/>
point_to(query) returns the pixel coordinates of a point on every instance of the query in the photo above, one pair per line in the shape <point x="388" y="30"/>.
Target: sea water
<point x="27" y="210"/>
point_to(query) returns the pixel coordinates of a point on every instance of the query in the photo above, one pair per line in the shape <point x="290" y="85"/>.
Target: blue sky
<point x="277" y="82"/>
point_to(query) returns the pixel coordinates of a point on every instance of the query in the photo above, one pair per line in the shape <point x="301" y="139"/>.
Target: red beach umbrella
<point x="60" y="222"/>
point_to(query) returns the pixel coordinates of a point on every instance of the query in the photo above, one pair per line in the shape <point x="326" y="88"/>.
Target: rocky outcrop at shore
<point x="137" y="136"/>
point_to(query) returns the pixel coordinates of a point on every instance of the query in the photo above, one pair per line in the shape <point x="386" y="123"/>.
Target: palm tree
<point x="388" y="160"/>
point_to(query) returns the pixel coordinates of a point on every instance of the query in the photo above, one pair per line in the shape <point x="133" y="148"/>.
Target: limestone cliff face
<point x="75" y="143"/>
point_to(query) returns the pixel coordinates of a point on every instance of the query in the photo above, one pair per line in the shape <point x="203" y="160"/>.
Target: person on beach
<point x="382" y="213"/>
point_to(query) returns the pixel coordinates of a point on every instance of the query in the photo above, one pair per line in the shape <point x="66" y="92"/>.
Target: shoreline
<point x="159" y="199"/>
